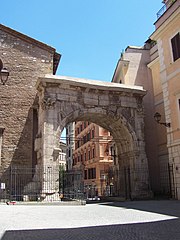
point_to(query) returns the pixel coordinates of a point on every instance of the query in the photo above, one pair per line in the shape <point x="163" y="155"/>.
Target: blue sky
<point x="89" y="34"/>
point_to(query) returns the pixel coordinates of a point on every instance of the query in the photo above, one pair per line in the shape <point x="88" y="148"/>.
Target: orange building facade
<point x="92" y="157"/>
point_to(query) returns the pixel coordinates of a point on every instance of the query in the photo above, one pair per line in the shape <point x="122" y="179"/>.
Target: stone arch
<point x="121" y="130"/>
<point x="116" y="107"/>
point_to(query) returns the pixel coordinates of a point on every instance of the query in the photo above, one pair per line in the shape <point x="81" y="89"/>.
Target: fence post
<point x="129" y="182"/>
<point x="171" y="181"/>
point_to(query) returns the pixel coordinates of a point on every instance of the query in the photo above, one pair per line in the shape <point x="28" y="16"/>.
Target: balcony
<point x="161" y="12"/>
<point x="166" y="11"/>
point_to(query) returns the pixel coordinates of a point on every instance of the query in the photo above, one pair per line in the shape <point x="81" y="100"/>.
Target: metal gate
<point x="72" y="185"/>
<point x="29" y="184"/>
<point x="35" y="184"/>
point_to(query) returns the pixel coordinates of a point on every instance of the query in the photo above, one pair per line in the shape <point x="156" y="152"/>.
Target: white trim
<point x="149" y="65"/>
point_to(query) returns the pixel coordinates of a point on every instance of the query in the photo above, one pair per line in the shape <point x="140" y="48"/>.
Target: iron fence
<point x="52" y="183"/>
<point x="72" y="185"/>
<point x="21" y="183"/>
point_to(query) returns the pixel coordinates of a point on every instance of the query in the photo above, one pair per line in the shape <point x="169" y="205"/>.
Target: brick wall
<point x="26" y="60"/>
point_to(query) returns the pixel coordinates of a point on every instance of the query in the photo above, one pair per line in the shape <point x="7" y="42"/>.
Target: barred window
<point x="91" y="173"/>
<point x="1" y="136"/>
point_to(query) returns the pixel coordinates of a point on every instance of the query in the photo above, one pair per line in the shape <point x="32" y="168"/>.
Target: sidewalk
<point x="139" y="220"/>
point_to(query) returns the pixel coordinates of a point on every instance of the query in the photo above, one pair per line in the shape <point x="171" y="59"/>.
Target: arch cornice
<point x="81" y="84"/>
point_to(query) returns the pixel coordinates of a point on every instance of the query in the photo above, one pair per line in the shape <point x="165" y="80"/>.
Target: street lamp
<point x="157" y="117"/>
<point x="3" y="73"/>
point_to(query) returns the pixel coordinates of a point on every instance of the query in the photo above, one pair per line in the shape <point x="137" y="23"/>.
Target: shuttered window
<point x="175" y="42"/>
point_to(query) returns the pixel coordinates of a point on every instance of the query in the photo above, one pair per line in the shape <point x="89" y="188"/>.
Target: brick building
<point x="26" y="59"/>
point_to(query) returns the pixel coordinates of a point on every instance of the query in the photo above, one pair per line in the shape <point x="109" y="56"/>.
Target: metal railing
<point x="164" y="8"/>
<point x="52" y="184"/>
<point x="161" y="12"/>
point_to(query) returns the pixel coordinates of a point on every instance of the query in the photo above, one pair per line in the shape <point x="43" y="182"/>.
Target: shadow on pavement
<point x="163" y="230"/>
<point x="167" y="207"/>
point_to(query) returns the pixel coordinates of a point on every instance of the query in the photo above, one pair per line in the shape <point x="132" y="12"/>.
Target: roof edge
<point x="56" y="56"/>
<point x="26" y="38"/>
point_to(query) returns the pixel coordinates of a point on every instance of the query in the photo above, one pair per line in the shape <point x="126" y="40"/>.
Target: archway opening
<point x="115" y="107"/>
<point x="99" y="157"/>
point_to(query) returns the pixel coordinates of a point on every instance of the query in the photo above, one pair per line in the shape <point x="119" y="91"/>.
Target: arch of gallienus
<point x="116" y="107"/>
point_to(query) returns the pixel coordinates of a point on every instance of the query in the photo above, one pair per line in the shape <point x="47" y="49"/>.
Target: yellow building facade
<point x="165" y="68"/>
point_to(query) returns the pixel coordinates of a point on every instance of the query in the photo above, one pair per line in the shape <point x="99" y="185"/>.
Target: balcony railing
<point x="165" y="7"/>
<point x="161" y="11"/>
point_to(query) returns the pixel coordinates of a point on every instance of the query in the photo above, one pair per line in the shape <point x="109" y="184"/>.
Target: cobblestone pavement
<point x="136" y="220"/>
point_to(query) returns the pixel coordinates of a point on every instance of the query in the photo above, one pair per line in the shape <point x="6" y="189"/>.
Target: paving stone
<point x="138" y="220"/>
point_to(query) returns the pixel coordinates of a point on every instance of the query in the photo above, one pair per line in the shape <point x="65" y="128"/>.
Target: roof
<point x="33" y="41"/>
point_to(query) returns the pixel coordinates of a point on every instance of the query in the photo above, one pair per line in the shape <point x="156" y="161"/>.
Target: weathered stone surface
<point x="115" y="107"/>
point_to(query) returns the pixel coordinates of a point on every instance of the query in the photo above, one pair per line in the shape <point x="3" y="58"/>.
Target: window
<point x="85" y="174"/>
<point x="94" y="173"/>
<point x="93" y="153"/>
<point x="91" y="173"/>
<point x="88" y="136"/>
<point x="78" y="130"/>
<point x="85" y="156"/>
<point x="78" y="143"/>
<point x="1" y="135"/>
<point x="84" y="139"/>
<point x="89" y="155"/>
<point x="175" y="42"/>
<point x="92" y="133"/>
